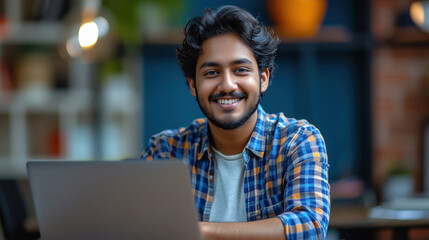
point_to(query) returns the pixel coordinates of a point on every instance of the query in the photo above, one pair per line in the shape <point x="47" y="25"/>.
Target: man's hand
<point x="264" y="229"/>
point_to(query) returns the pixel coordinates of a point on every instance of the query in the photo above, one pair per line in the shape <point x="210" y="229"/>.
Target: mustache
<point x="223" y="94"/>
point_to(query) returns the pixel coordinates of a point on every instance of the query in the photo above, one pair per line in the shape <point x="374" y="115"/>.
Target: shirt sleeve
<point x="307" y="200"/>
<point x="159" y="146"/>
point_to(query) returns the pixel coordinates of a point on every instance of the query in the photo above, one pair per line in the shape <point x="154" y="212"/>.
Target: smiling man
<point x="254" y="175"/>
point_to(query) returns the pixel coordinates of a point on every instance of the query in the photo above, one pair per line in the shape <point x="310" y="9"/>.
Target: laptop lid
<point x="113" y="200"/>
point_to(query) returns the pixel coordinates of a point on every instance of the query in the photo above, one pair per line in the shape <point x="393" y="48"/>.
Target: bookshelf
<point x="49" y="107"/>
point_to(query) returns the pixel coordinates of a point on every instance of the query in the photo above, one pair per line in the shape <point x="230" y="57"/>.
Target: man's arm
<point x="271" y="228"/>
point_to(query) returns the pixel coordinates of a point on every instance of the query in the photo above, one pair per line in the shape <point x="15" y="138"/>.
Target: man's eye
<point x="210" y="73"/>
<point x="242" y="70"/>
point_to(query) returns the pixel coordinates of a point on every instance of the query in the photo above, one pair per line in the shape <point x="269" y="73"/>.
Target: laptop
<point x="113" y="200"/>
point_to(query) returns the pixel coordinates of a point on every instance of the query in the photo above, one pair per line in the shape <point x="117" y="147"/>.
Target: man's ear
<point x="265" y="79"/>
<point x="191" y="84"/>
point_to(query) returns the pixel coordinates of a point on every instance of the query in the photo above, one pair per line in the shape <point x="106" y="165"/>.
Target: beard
<point x="229" y="123"/>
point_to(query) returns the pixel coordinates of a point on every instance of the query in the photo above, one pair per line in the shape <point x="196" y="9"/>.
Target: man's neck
<point x="230" y="142"/>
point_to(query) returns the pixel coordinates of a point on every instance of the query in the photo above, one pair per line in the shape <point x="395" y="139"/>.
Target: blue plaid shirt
<point x="286" y="172"/>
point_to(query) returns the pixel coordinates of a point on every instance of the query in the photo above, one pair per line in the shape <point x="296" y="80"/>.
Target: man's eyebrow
<point x="241" y="61"/>
<point x="209" y="64"/>
<point x="235" y="62"/>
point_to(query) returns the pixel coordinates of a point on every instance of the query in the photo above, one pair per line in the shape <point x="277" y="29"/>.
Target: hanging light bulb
<point x="88" y="32"/>
<point x="419" y="12"/>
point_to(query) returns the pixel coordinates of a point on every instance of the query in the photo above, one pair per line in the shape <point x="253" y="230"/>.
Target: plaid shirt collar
<point x="256" y="144"/>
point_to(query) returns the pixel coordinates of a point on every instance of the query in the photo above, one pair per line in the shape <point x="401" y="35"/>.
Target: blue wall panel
<point x="167" y="101"/>
<point x="281" y="94"/>
<point x="336" y="112"/>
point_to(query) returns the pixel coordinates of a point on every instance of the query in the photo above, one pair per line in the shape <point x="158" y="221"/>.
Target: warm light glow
<point x="88" y="34"/>
<point x="417" y="13"/>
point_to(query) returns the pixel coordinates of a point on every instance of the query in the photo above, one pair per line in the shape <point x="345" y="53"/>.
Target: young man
<point x="254" y="175"/>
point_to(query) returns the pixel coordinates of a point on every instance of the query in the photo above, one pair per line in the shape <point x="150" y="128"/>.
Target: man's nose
<point x="228" y="83"/>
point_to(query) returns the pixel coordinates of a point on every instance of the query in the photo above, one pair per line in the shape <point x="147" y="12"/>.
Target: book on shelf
<point x="5" y="81"/>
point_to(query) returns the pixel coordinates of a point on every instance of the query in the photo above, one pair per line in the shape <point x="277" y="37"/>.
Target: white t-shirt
<point x="229" y="203"/>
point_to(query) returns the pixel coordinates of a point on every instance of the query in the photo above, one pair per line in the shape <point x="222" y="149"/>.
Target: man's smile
<point x="227" y="101"/>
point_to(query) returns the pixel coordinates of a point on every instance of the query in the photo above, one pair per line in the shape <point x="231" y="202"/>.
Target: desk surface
<point x="352" y="217"/>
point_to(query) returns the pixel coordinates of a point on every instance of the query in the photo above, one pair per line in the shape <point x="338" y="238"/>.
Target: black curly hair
<point x="226" y="19"/>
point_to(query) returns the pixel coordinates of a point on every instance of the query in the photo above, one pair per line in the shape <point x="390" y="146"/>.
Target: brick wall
<point x="400" y="83"/>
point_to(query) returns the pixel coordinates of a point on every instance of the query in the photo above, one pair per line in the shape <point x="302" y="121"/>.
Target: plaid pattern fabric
<point x="286" y="172"/>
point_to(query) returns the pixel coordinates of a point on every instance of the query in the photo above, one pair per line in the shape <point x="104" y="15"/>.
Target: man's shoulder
<point x="197" y="127"/>
<point x="280" y="121"/>
<point x="278" y="126"/>
<point x="176" y="143"/>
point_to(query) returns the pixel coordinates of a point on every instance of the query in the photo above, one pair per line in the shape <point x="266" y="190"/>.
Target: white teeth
<point x="227" y="101"/>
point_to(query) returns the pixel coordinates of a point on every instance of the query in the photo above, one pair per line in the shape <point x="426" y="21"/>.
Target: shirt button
<point x="211" y="177"/>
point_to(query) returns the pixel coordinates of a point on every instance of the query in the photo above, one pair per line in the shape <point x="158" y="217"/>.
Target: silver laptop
<point x="113" y="200"/>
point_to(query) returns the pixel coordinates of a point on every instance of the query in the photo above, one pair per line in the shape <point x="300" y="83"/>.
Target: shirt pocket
<point x="273" y="210"/>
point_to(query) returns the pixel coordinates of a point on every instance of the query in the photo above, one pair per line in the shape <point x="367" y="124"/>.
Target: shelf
<point x="31" y="33"/>
<point x="49" y="101"/>
<point x="328" y="34"/>
<point x="329" y="38"/>
<point x="406" y="36"/>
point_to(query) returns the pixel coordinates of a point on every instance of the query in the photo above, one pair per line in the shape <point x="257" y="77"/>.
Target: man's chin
<point x="228" y="124"/>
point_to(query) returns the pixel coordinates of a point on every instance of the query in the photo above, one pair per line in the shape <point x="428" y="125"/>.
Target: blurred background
<point x="93" y="80"/>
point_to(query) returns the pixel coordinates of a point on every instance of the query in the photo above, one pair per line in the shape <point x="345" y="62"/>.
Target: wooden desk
<point x="353" y="223"/>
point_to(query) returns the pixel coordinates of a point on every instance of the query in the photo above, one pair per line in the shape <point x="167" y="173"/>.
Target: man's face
<point x="227" y="82"/>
